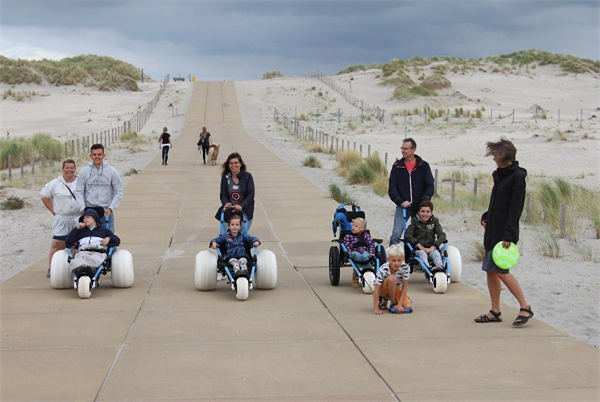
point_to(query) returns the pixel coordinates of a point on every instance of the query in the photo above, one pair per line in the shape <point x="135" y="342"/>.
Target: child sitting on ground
<point x="360" y="245"/>
<point x="92" y="241"/>
<point x="391" y="283"/>
<point x="236" y="241"/>
<point x="425" y="235"/>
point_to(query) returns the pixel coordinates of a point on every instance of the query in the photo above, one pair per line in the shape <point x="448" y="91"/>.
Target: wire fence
<point x="75" y="147"/>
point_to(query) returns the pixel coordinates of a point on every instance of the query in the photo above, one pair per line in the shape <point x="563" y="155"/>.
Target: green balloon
<point x="505" y="258"/>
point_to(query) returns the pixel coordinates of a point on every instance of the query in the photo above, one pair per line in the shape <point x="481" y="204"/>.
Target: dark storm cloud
<point x="243" y="39"/>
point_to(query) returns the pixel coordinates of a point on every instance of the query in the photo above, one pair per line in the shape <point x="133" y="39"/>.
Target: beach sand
<point x="563" y="292"/>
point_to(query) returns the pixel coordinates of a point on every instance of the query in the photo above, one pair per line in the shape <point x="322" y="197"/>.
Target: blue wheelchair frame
<point x="429" y="272"/>
<point x="102" y="269"/>
<point x="413" y="260"/>
<point x="345" y="226"/>
<point x="222" y="263"/>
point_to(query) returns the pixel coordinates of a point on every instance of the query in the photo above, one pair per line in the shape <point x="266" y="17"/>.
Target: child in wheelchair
<point x="391" y="284"/>
<point x="236" y="243"/>
<point x="360" y="246"/>
<point x="91" y="240"/>
<point x="425" y="235"/>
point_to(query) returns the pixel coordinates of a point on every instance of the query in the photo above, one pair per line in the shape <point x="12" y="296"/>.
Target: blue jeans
<point x="399" y="225"/>
<point x="111" y="221"/>
<point x="360" y="259"/>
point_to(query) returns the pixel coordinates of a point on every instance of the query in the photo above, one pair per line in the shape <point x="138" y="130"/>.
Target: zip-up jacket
<point x="235" y="244"/>
<point x="506" y="206"/>
<point x="426" y="234"/>
<point x="414" y="187"/>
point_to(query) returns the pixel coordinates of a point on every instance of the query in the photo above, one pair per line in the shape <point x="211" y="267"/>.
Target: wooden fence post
<point x="563" y="220"/>
<point x="453" y="186"/>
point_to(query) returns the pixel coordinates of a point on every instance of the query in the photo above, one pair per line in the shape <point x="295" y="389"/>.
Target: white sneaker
<point x="220" y="277"/>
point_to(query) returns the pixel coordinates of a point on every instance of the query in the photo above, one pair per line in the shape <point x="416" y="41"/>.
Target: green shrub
<point x="348" y="160"/>
<point x="361" y="174"/>
<point x="312" y="162"/>
<point x="12" y="203"/>
<point x="376" y="164"/>
<point x="380" y="186"/>
<point x="340" y="196"/>
<point x="15" y="147"/>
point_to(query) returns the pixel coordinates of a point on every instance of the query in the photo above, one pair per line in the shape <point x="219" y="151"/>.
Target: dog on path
<point x="213" y="153"/>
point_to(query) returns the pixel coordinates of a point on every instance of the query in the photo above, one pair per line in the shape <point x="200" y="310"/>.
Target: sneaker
<point x="220" y="277"/>
<point x="48" y="273"/>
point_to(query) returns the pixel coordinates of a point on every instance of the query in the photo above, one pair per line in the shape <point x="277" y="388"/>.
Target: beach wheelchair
<point x="439" y="278"/>
<point x="211" y="268"/>
<point x="339" y="255"/>
<point x="85" y="278"/>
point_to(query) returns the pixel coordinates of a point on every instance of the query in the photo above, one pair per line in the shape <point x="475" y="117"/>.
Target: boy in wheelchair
<point x="360" y="246"/>
<point x="425" y="235"/>
<point x="92" y="242"/>
<point x="236" y="241"/>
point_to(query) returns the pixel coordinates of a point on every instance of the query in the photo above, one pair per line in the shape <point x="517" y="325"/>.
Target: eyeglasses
<point x="407" y="149"/>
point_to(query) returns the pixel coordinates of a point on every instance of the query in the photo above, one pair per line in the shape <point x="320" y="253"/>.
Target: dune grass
<point x="340" y="195"/>
<point x="15" y="147"/>
<point x="102" y="72"/>
<point x="311" y="161"/>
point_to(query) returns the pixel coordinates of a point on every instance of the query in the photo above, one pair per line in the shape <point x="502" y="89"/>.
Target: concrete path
<point x="304" y="340"/>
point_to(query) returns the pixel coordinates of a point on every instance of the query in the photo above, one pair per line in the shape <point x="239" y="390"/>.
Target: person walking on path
<point x="165" y="144"/>
<point x="204" y="142"/>
<point x="59" y="197"/>
<point x="237" y="187"/>
<point x="501" y="223"/>
<point x="99" y="186"/>
<point x="410" y="183"/>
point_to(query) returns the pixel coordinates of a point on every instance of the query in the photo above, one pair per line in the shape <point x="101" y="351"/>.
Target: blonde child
<point x="391" y="283"/>
<point x="360" y="245"/>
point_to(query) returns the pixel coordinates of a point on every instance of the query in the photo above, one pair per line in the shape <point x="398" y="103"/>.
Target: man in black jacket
<point x="410" y="183"/>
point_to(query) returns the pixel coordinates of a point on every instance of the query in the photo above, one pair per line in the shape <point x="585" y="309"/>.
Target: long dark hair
<point x="225" y="167"/>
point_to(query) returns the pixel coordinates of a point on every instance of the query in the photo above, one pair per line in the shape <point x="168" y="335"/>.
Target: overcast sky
<point x="240" y="40"/>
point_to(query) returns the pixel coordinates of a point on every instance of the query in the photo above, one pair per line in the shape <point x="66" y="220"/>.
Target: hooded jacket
<point x="98" y="187"/>
<point x="413" y="187"/>
<point x="426" y="234"/>
<point x="506" y="206"/>
<point x="91" y="237"/>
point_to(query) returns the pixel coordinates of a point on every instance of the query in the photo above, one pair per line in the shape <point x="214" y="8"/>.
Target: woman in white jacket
<point x="59" y="197"/>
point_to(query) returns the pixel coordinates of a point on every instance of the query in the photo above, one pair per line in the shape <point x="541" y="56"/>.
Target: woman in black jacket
<point x="237" y="187"/>
<point x="501" y="223"/>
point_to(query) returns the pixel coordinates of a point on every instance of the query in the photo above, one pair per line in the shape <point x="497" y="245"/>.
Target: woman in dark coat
<point x="237" y="187"/>
<point x="501" y="223"/>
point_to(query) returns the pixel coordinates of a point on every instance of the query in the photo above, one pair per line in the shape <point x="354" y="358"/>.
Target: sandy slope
<point x="563" y="292"/>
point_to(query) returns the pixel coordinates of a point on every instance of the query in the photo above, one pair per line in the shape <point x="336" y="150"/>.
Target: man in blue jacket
<point x="410" y="183"/>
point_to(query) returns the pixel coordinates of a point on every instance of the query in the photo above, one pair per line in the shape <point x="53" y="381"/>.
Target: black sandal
<point x="382" y="303"/>
<point x="522" y="319"/>
<point x="483" y="318"/>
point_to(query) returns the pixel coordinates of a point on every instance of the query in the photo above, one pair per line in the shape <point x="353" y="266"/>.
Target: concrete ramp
<point x="305" y="340"/>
